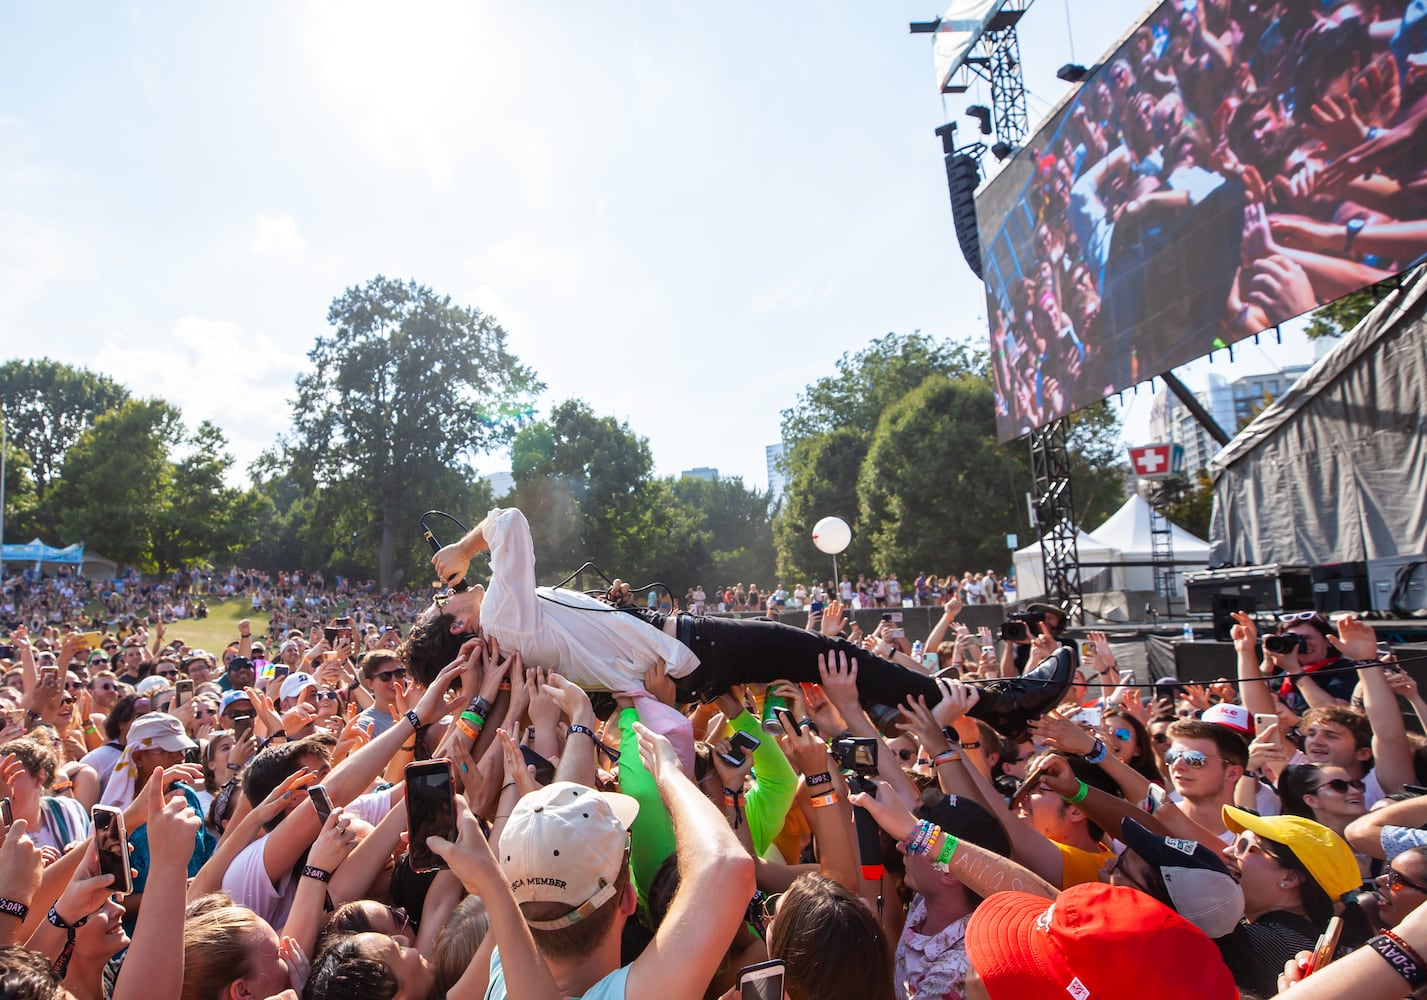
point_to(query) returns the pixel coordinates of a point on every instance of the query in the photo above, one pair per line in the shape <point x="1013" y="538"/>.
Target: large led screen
<point x="1233" y="164"/>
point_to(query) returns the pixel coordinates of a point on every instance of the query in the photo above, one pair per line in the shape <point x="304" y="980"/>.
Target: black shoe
<point x="1009" y="703"/>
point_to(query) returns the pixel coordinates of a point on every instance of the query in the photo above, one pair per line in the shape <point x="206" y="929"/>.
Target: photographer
<point x="1021" y="630"/>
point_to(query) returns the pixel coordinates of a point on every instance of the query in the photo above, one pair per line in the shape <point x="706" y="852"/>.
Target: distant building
<point x="501" y="483"/>
<point x="777" y="481"/>
<point x="1229" y="403"/>
<point x="702" y="472"/>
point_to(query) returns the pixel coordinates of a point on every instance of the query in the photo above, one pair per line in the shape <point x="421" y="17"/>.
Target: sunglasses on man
<point x="387" y="676"/>
<point x="1192" y="758"/>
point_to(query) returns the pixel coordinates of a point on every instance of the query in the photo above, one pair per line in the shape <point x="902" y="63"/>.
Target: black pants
<point x="756" y="651"/>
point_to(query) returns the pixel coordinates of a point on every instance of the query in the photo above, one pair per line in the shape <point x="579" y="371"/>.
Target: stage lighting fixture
<point x="1002" y="150"/>
<point x="924" y="27"/>
<point x="1072" y="73"/>
<point x="982" y="114"/>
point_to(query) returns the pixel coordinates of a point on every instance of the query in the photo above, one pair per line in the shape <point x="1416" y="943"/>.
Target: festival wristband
<point x="1079" y="795"/>
<point x="814" y="780"/>
<point x="414" y="719"/>
<point x="826" y="799"/>
<point x="1402" y="957"/>
<point x="1096" y="754"/>
<point x="945" y="757"/>
<point x="943" y="858"/>
<point x="14" y="908"/>
<point x="467" y="729"/>
<point x="320" y="874"/>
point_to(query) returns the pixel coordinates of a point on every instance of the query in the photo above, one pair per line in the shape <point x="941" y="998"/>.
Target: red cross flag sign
<point x="1157" y="461"/>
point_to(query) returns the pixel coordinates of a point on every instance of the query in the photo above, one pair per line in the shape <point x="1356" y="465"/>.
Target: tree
<point x="203" y="517"/>
<point x="874" y="378"/>
<point x="398" y="398"/>
<point x="114" y="484"/>
<point x="822" y="473"/>
<point x="583" y="481"/>
<point x="937" y="489"/>
<point x="1341" y="315"/>
<point x="21" y="501"/>
<point x="47" y="406"/>
<point x="1187" y="504"/>
<point x="729" y="525"/>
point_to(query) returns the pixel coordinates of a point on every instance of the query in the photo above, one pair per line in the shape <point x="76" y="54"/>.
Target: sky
<point x="682" y="214"/>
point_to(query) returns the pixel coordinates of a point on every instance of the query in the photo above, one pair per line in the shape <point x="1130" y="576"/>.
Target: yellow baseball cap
<point x="1326" y="855"/>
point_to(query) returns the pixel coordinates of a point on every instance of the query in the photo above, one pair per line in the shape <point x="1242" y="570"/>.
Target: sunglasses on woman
<point x="1192" y="758"/>
<point x="1301" y="616"/>
<point x="1394" y="880"/>
<point x="1341" y="785"/>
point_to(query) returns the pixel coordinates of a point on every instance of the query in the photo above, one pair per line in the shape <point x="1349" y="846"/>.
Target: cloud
<point x="277" y="234"/>
<point x="212" y="370"/>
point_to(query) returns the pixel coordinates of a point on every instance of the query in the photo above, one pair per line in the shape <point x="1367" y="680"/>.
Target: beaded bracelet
<point x="1079" y="795"/>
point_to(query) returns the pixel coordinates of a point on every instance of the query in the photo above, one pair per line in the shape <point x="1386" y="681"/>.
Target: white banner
<point x="961" y="27"/>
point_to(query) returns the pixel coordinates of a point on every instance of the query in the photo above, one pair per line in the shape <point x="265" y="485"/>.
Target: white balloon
<point x="832" y="535"/>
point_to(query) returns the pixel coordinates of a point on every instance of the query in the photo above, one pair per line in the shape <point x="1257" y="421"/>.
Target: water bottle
<point x="1188" y="632"/>
<point x="917" y="650"/>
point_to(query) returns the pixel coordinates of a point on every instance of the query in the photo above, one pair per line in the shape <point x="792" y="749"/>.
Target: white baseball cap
<point x="292" y="687"/>
<point x="158" y="730"/>
<point x="1236" y="717"/>
<point x="566" y="843"/>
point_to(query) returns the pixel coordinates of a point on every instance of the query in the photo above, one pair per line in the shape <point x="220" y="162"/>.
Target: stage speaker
<point x="962" y="176"/>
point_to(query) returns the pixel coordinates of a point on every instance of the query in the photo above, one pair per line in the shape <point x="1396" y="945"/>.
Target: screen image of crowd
<point x="1235" y="163"/>
<point x="495" y="829"/>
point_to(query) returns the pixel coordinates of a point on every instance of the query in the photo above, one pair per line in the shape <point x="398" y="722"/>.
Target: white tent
<point x="1030" y="570"/>
<point x="1128" y="531"/>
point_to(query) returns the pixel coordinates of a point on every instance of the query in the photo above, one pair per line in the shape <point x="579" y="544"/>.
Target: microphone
<point x="435" y="544"/>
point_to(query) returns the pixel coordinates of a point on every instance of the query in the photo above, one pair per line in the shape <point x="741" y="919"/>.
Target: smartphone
<point x="182" y="692"/>
<point x="14" y="717"/>
<point x="1087" y="650"/>
<point x="1088" y="717"/>
<point x="7" y="813"/>
<point x="816" y="607"/>
<point x="321" y="801"/>
<point x="281" y="670"/>
<point x="544" y="770"/>
<point x="193" y="755"/>
<point x="344" y="629"/>
<point x="741" y="745"/>
<point x="1262" y="720"/>
<point x="330" y="634"/>
<point x="49" y="675"/>
<point x="7" y="652"/>
<point x="430" y="810"/>
<point x="790" y="724"/>
<point x="887" y="617"/>
<point x="93" y="639"/>
<point x="763" y="981"/>
<point x="896" y="633"/>
<point x="1327" y="944"/>
<point x="112" y="844"/>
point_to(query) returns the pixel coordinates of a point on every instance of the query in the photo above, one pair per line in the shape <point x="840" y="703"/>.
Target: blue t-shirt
<point x="611" y="987"/>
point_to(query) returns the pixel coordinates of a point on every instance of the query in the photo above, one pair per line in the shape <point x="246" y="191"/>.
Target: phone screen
<point x="321" y="801"/>
<point x="761" y="982"/>
<point x="430" y="810"/>
<point x="182" y="692"/>
<point x="7" y="814"/>
<point x="112" y="847"/>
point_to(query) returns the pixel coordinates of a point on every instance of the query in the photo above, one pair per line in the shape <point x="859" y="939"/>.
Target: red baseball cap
<point x="1094" y="942"/>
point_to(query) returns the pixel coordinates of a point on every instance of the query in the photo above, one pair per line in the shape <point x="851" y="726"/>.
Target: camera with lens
<point x="1022" y="626"/>
<point x="1289" y="642"/>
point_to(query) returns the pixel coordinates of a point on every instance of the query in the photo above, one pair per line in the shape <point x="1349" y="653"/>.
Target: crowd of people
<point x="875" y="591"/>
<point x="596" y="831"/>
<point x="36" y="599"/>
<point x="1237" y="163"/>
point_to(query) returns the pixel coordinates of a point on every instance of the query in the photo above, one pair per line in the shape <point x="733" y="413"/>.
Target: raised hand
<point x="1355" y="639"/>
<point x="956" y="700"/>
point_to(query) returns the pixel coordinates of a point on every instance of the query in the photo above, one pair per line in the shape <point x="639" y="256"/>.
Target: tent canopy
<point x="1030" y="570"/>
<point x="1128" y="529"/>
<point x="37" y="551"/>
<point x="1333" y="470"/>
